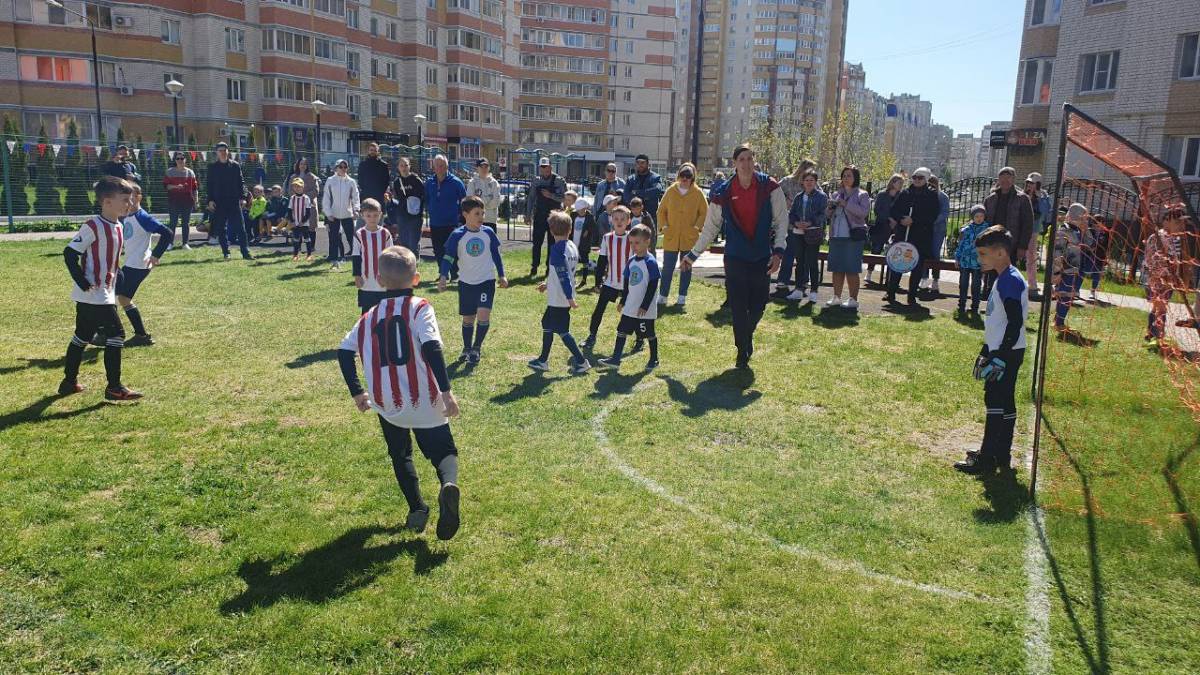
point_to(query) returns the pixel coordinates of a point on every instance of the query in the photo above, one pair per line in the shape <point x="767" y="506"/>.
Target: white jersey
<point x="400" y="384"/>
<point x="641" y="273"/>
<point x="101" y="243"/>
<point x="477" y="254"/>
<point x="577" y="231"/>
<point x="139" y="230"/>
<point x="1010" y="285"/>
<point x="563" y="256"/>
<point x="489" y="191"/>
<point x="368" y="245"/>
<point x="617" y="249"/>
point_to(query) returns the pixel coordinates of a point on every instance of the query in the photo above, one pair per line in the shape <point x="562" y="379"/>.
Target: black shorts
<point x="609" y="294"/>
<point x="632" y="325"/>
<point x="474" y="297"/>
<point x="368" y="299"/>
<point x="128" y="280"/>
<point x="557" y="320"/>
<point x="91" y="319"/>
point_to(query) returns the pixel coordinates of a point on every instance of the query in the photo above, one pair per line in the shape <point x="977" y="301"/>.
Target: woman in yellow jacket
<point x="680" y="219"/>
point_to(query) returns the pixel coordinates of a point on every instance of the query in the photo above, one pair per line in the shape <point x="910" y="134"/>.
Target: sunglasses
<point x="611" y="170"/>
<point x="918" y="177"/>
<point x="686" y="176"/>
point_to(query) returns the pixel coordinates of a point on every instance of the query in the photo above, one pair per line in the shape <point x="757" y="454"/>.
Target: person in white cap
<point x="914" y="210"/>
<point x="546" y="194"/>
<point x="1043" y="217"/>
<point x="1011" y="208"/>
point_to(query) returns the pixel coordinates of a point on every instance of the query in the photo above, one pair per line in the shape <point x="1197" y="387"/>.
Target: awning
<point x="599" y="156"/>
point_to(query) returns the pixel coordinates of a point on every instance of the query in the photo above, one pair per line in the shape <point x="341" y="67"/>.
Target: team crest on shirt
<point x="635" y="276"/>
<point x="475" y="247"/>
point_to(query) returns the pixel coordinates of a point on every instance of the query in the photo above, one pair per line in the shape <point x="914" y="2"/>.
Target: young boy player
<point x="400" y="348"/>
<point x="475" y="249"/>
<point x="639" y="289"/>
<point x="139" y="227"/>
<point x="1003" y="350"/>
<point x="370" y="241"/>
<point x="92" y="258"/>
<point x="560" y="296"/>
<point x="615" y="251"/>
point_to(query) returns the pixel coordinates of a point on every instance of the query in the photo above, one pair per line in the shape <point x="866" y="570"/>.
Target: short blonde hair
<point x="370" y="204"/>
<point x="297" y="181"/>
<point x="560" y="223"/>
<point x="397" y="267"/>
<point x="571" y="193"/>
<point x="641" y="231"/>
<point x="623" y="209"/>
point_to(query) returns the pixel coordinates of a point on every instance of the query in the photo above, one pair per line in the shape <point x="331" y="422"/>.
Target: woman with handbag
<point x="408" y="202"/>
<point x="848" y="209"/>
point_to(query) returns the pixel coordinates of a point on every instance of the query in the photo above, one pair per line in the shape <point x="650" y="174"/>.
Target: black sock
<point x="410" y="487"/>
<point x="468" y="335"/>
<point x="573" y="347"/>
<point x="481" y="331"/>
<point x="447" y="469"/>
<point x="112" y="365"/>
<point x="135" y="319"/>
<point x="547" y="343"/>
<point x="653" y="349"/>
<point x="619" y="348"/>
<point x="73" y="359"/>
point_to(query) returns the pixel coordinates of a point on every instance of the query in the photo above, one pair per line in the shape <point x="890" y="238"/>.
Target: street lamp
<point x="175" y="88"/>
<point x="419" y="120"/>
<point x="318" y="105"/>
<point x="95" y="61"/>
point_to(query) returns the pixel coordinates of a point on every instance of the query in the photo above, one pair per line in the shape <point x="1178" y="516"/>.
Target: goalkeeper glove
<point x="992" y="369"/>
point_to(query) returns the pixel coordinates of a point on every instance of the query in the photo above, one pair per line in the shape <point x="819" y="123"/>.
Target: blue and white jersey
<point x="560" y="284"/>
<point x="139" y="231"/>
<point x="641" y="275"/>
<point x="477" y="253"/>
<point x="1010" y="285"/>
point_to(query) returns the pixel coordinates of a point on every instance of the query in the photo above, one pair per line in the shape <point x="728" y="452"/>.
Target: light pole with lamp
<point x="175" y="88"/>
<point x="419" y="120"/>
<point x="318" y="105"/>
<point x="95" y="62"/>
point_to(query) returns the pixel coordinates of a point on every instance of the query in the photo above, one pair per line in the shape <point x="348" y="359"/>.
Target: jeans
<point x="808" y="268"/>
<point x="969" y="279"/>
<point x="668" y="270"/>
<point x="439" y="235"/>
<point x="1066" y="290"/>
<point x="999" y="400"/>
<point x="225" y="219"/>
<point x="183" y="216"/>
<point x="408" y="229"/>
<point x="1031" y="264"/>
<point x="334" y="227"/>
<point x="749" y="287"/>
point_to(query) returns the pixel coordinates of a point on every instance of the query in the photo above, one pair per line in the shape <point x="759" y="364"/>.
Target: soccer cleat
<point x="590" y="342"/>
<point x="581" y="367"/>
<point x="795" y="296"/>
<point x="474" y="356"/>
<point x="186" y="247"/>
<point x="247" y="256"/>
<point x="67" y="387"/>
<point x="448" y="523"/>
<point x="466" y="354"/>
<point x="976" y="465"/>
<point x="850" y="304"/>
<point x="416" y="520"/>
<point x="140" y="340"/>
<point x="651" y="364"/>
<point x="538" y="364"/>
<point x="609" y="363"/>
<point x="121" y="393"/>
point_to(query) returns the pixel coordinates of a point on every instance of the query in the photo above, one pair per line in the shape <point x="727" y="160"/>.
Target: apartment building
<point x="964" y="157"/>
<point x="906" y="129"/>
<point x="1134" y="66"/>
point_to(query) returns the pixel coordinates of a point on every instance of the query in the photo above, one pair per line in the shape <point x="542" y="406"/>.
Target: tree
<point x="47" y="201"/>
<point x="18" y="176"/>
<point x="77" y="200"/>
<point x="136" y="155"/>
<point x="156" y="163"/>
<point x="860" y="143"/>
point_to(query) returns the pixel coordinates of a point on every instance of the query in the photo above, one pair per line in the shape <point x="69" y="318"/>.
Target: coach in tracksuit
<point x="224" y="189"/>
<point x="753" y="212"/>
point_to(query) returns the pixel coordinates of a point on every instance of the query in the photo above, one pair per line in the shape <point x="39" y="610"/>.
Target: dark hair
<point x="811" y="172"/>
<point x="110" y="186"/>
<point x="641" y="232"/>
<point x="179" y="156"/>
<point x="636" y="201"/>
<point x="296" y="164"/>
<point x="996" y="236"/>
<point x="641" y="157"/>
<point x="854" y="169"/>
<point x="740" y="149"/>
<point x="470" y="203"/>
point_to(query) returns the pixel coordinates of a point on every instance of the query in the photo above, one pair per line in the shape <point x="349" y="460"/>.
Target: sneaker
<point x="416" y="520"/>
<point x="924" y="285"/>
<point x="680" y="301"/>
<point x="538" y="364"/>
<point x="651" y="364"/>
<point x="226" y="256"/>
<point x="474" y="356"/>
<point x="795" y="296"/>
<point x="67" y="387"/>
<point x="781" y="292"/>
<point x="447" y="525"/>
<point x="833" y="302"/>
<point x="247" y="256"/>
<point x="186" y="247"/>
<point x="589" y="343"/>
<point x="1094" y="297"/>
<point x="143" y="340"/>
<point x="812" y="297"/>
<point x="121" y="393"/>
<point x="581" y="367"/>
<point x="610" y="363"/>
<point x="464" y="354"/>
<point x="850" y="304"/>
<point x="976" y="465"/>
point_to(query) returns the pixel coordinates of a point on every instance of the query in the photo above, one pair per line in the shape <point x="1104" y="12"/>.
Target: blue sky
<point x="959" y="54"/>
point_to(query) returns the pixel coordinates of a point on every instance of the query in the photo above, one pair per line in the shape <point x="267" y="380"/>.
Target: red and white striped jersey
<point x="101" y="244"/>
<point x="618" y="250"/>
<point x="369" y="245"/>
<point x="400" y="384"/>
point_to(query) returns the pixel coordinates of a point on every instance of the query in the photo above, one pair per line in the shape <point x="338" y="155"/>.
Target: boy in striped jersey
<point x="92" y="258"/>
<point x="370" y="241"/>
<point x="400" y="347"/>
<point x="560" y="296"/>
<point x="639" y="289"/>
<point x="300" y="207"/>
<point x="615" y="251"/>
<point x="139" y="227"/>
<point x="475" y="249"/>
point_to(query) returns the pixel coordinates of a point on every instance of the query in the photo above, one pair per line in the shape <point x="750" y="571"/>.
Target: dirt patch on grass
<point x="951" y="445"/>
<point x="289" y="422"/>
<point x="205" y="536"/>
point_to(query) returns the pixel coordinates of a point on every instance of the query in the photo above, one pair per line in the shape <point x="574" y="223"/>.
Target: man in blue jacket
<point x="224" y="189"/>
<point x="754" y="214"/>
<point x="644" y="183"/>
<point x="443" y="192"/>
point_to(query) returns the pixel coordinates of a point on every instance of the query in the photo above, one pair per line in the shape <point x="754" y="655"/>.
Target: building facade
<point x="964" y="157"/>
<point x="990" y="160"/>
<point x="1134" y="66"/>
<point x="906" y="130"/>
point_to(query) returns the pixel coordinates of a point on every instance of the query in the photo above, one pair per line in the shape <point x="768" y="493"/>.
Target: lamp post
<point x="95" y="61"/>
<point x="318" y="105"/>
<point x="419" y="120"/>
<point x="175" y="88"/>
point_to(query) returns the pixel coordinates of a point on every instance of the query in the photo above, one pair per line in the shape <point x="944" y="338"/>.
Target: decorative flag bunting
<point x="56" y="148"/>
<point x="99" y="149"/>
<point x="137" y="153"/>
<point x="203" y="156"/>
<point x="11" y="145"/>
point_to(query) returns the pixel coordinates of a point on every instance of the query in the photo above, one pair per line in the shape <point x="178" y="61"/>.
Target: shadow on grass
<point x="525" y="280"/>
<point x="795" y="310"/>
<point x="340" y="566"/>
<point x="311" y="270"/>
<point x="1006" y="496"/>
<point x="1074" y="337"/>
<point x="1171" y="472"/>
<point x="460" y="368"/>
<point x="89" y="356"/>
<point x="719" y="317"/>
<point x="836" y="318"/>
<point x="908" y="312"/>
<point x="32" y="414"/>
<point x="612" y="382"/>
<point x="531" y="386"/>
<point x="970" y="320"/>
<point x="171" y="262"/>
<point x="309" y="359"/>
<point x="1097" y="659"/>
<point x="729" y="390"/>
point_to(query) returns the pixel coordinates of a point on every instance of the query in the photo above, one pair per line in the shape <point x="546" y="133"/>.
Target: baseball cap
<point x="1034" y="177"/>
<point x="923" y="172"/>
<point x="608" y="199"/>
<point x="1007" y="170"/>
<point x="482" y="161"/>
<point x="978" y="208"/>
<point x="545" y="161"/>
<point x="583" y="204"/>
<point x="220" y="145"/>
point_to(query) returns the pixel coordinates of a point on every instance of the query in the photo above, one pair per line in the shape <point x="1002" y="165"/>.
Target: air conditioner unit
<point x="352" y="74"/>
<point x="127" y="90"/>
<point x="123" y="21"/>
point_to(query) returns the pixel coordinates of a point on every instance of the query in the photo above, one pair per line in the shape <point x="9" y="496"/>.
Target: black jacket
<point x="120" y="170"/>
<point x="225" y="185"/>
<point x="924" y="206"/>
<point x="374" y="176"/>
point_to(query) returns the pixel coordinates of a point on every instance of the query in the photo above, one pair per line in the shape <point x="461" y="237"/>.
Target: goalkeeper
<point x="1003" y="350"/>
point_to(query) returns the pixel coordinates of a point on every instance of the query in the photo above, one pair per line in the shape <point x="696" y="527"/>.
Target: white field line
<point x="836" y="564"/>
<point x="1037" y="600"/>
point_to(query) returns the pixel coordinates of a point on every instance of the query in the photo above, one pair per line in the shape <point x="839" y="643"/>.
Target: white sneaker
<point x="924" y="285"/>
<point x="186" y="247"/>
<point x="833" y="302"/>
<point x="933" y="286"/>
<point x="850" y="304"/>
<point x="796" y="295"/>
<point x="681" y="300"/>
<point x="1095" y="298"/>
<point x="812" y="297"/>
<point x="662" y="299"/>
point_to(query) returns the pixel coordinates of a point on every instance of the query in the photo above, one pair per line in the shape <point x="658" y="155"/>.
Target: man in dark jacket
<point x="644" y="183"/>
<point x="120" y="166"/>
<point x="915" y="209"/>
<point x="1011" y="208"/>
<point x="546" y="193"/>
<point x="374" y="175"/>
<point x="224" y="191"/>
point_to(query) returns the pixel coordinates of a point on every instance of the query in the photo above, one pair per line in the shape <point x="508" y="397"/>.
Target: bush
<point x="63" y="225"/>
<point x="47" y="200"/>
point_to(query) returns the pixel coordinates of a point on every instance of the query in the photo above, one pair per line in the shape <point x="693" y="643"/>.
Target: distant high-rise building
<point x="906" y="130"/>
<point x="964" y="157"/>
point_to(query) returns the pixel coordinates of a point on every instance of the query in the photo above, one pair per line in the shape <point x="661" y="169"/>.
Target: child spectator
<point x="615" y="251"/>
<point x="638" y="293"/>
<point x="475" y="249"/>
<point x="1003" y="350"/>
<point x="1069" y="243"/>
<point x="560" y="296"/>
<point x="639" y="216"/>
<point x="340" y="204"/>
<point x="400" y="348"/>
<point x="969" y="273"/>
<point x="370" y="241"/>
<point x="300" y="206"/>
<point x="604" y="220"/>
<point x="569" y="199"/>
<point x="258" y="208"/>
<point x="138" y="229"/>
<point x="92" y="258"/>
<point x="583" y="235"/>
<point x="1095" y="257"/>
<point x="276" y="214"/>
<point x="1161" y="272"/>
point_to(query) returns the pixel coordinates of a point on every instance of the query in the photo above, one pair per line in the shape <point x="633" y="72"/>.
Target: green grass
<point x="242" y="518"/>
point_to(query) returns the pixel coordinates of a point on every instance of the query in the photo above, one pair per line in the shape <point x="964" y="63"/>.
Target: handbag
<point x="411" y="204"/>
<point x="858" y="233"/>
<point x="814" y="235"/>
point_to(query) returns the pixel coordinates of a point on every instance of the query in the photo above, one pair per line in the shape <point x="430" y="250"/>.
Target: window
<point x="431" y="37"/>
<point x="374" y="67"/>
<point x="353" y="105"/>
<point x="58" y="69"/>
<point x="628" y="95"/>
<point x="374" y="107"/>
<point x="431" y="76"/>
<point x="278" y="40"/>
<point x="1189" y="58"/>
<point x="170" y="31"/>
<point x="352" y="17"/>
<point x="629" y="46"/>
<point x="431" y="113"/>
<point x="353" y="62"/>
<point x="235" y="40"/>
<point x="329" y="50"/>
<point x="1035" y="84"/>
<point x="1183" y="153"/>
<point x="1045" y="12"/>
<point x="1099" y="72"/>
<point x="374" y="27"/>
<point x="393" y="110"/>
<point x="628" y="71"/>
<point x="56" y="15"/>
<point x="392" y="31"/>
<point x="391" y="70"/>
<point x="335" y="7"/>
<point x="235" y="90"/>
<point x="99" y="15"/>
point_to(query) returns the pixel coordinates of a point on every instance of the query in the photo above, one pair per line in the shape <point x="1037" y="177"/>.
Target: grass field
<point x="243" y="517"/>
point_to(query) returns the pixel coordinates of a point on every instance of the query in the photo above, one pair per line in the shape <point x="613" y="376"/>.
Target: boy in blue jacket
<point x="139" y="228"/>
<point x="969" y="273"/>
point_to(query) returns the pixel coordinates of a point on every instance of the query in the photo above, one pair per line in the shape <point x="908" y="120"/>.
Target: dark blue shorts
<point x="128" y="280"/>
<point x="368" y="299"/>
<point x="474" y="297"/>
<point x="557" y="320"/>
